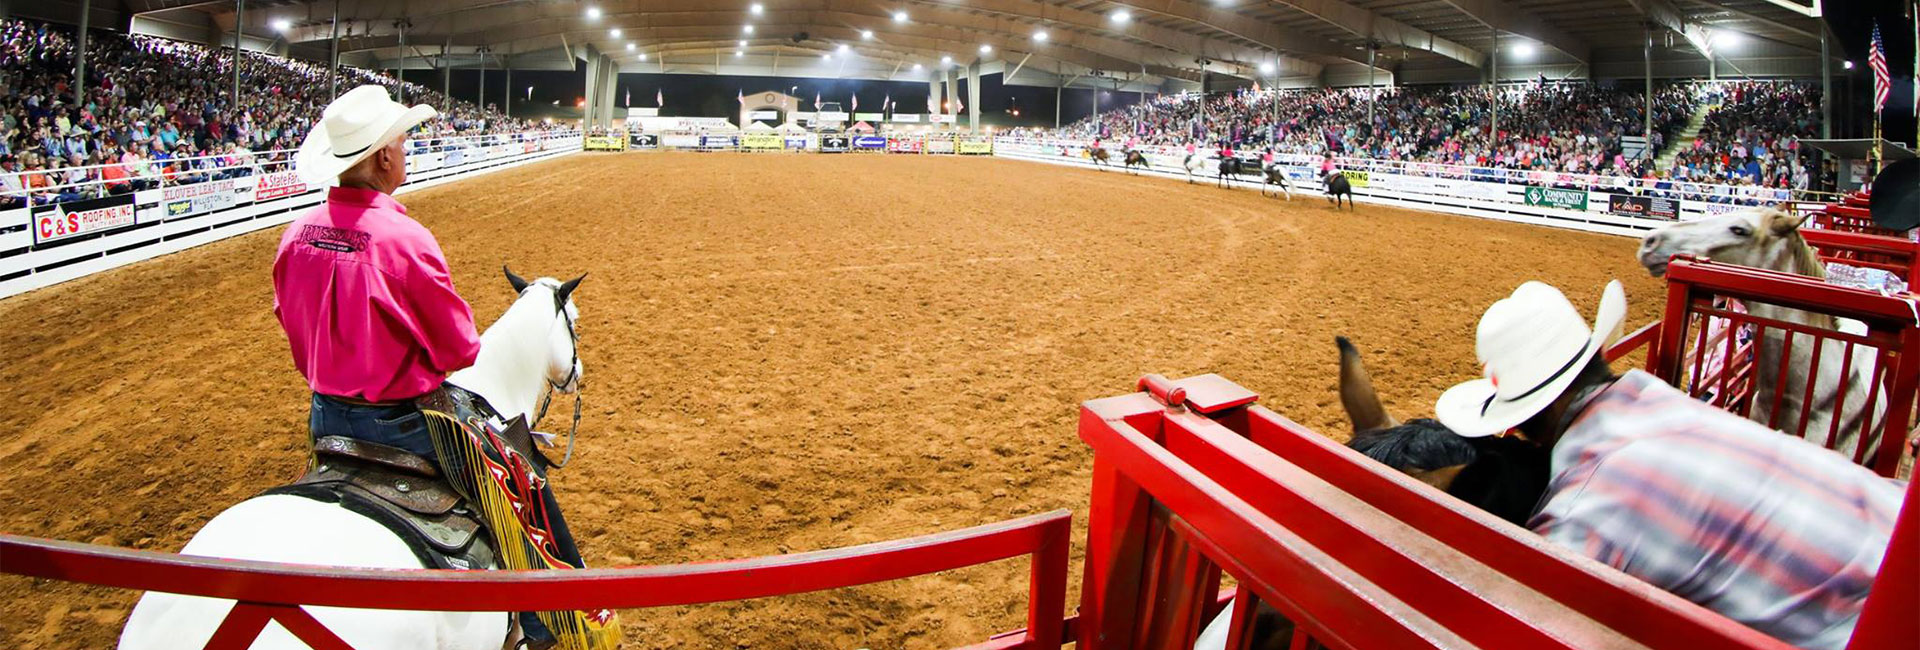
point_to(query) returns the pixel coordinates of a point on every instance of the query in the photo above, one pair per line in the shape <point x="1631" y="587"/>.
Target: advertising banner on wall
<point x="76" y="218"/>
<point x="797" y="142"/>
<point x="940" y="118"/>
<point x="280" y="184"/>
<point x="906" y="118"/>
<point x="939" y="144"/>
<point x="762" y="141"/>
<point x="1557" y="198"/>
<point x="643" y="141"/>
<point x="1643" y="206"/>
<point x="605" y="143"/>
<point x="835" y="143"/>
<point x="198" y="198"/>
<point x="870" y="142"/>
<point x="904" y="145"/>
<point x="454" y="158"/>
<point x="718" y="142"/>
<point x="680" y="141"/>
<point x="973" y="145"/>
<point x="1357" y="178"/>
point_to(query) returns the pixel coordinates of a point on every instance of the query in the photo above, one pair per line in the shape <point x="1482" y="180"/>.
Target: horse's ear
<point x="566" y="288"/>
<point x="519" y="283"/>
<point x="1784" y="223"/>
<point x="1356" y="392"/>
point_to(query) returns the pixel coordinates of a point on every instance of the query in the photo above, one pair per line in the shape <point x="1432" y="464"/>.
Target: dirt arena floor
<point x="783" y="353"/>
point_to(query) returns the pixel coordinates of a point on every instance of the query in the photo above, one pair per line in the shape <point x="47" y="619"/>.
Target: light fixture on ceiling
<point x="738" y="53"/>
<point x="1121" y="16"/>
<point x="899" y="16"/>
<point x="1268" y="68"/>
<point x="946" y="60"/>
<point x="844" y="48"/>
<point x="1040" y="36"/>
<point x="1846" y="65"/>
<point x="1523" y="50"/>
<point x="743" y="43"/>
<point x="593" y="13"/>
<point x="282" y="25"/>
<point x="866" y="34"/>
<point x="1724" y="38"/>
<point x="643" y="56"/>
<point x="986" y="49"/>
<point x="756" y="9"/>
<point x="916" y="67"/>
<point x="748" y="29"/>
<point x="615" y="32"/>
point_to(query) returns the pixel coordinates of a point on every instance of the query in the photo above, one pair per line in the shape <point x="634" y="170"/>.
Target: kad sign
<point x="198" y="198"/>
<point x="76" y="218"/>
<point x="279" y="184"/>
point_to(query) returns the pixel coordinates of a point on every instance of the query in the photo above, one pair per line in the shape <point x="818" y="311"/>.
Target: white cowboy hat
<point x="1533" y="344"/>
<point x="353" y="127"/>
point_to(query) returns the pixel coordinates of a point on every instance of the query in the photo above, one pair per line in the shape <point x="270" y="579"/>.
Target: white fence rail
<point x="101" y="228"/>
<point x="1606" y="204"/>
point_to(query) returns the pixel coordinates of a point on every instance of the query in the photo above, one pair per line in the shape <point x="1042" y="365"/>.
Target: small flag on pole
<point x="629" y="98"/>
<point x="659" y="98"/>
<point x="743" y="97"/>
<point x="855" y="103"/>
<point x="1877" y="59"/>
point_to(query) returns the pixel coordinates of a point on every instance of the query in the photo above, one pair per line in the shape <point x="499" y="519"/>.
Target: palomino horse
<point x="527" y="351"/>
<point x="1770" y="239"/>
<point x="1501" y="475"/>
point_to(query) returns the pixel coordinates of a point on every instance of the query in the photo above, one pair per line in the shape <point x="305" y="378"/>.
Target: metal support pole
<point x="1647" y="131"/>
<point x="480" y="96"/>
<point x="1494" y="60"/>
<point x="506" y="92"/>
<point x="1826" y="88"/>
<point x="80" y="56"/>
<point x="1372" y="93"/>
<point x="239" y="26"/>
<point x="973" y="96"/>
<point x="333" y="58"/>
<point x="400" y="66"/>
<point x="1056" y="101"/>
<point x="446" y="77"/>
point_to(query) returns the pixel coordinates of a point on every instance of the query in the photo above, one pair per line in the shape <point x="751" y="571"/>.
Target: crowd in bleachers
<point x="1750" y="138"/>
<point x="164" y="111"/>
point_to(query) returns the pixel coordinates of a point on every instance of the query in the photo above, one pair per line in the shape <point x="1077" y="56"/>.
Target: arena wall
<point x="38" y="249"/>
<point x="1545" y="201"/>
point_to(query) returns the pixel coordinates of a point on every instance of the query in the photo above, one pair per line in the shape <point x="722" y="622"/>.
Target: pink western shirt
<point x="364" y="295"/>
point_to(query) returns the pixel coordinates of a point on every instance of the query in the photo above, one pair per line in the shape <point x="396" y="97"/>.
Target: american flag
<point x="1877" y="59"/>
<point x="659" y="98"/>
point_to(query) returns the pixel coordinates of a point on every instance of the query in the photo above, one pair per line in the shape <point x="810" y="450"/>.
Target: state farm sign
<point x="278" y="184"/>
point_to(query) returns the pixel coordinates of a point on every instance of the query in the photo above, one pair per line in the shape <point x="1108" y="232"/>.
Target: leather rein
<point x="573" y="376"/>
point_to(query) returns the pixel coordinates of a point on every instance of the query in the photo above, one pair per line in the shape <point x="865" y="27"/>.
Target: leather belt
<point x="360" y="402"/>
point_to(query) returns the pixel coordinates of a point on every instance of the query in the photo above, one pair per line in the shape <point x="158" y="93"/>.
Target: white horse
<point x="1770" y="239"/>
<point x="1197" y="163"/>
<point x="529" y="349"/>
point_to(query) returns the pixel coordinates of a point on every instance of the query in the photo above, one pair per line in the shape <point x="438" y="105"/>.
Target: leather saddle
<point x="403" y="492"/>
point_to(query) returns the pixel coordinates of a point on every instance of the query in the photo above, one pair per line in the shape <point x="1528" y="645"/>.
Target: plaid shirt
<point x="1764" y="528"/>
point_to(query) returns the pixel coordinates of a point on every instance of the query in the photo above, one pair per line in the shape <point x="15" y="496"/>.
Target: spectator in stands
<point x="1764" y="528"/>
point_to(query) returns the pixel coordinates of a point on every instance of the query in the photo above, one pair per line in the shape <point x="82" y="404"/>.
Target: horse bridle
<point x="573" y="377"/>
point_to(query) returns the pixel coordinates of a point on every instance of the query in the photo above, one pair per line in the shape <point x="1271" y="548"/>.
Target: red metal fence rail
<point x="1191" y="479"/>
<point x="267" y="590"/>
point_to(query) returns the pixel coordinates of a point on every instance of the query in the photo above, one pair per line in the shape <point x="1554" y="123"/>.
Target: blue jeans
<point x="401" y="425"/>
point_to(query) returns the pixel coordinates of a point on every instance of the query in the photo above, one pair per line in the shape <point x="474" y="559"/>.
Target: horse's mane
<point x="1806" y="261"/>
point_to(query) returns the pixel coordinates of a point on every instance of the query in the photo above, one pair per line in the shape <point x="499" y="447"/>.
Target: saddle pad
<point x="504" y="484"/>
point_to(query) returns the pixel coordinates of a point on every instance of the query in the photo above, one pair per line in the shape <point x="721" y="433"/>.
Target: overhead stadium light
<point x="1523" y="50"/>
<point x="946" y="60"/>
<point x="1846" y="64"/>
<point x="643" y="56"/>
<point x="743" y="43"/>
<point x="1726" y="38"/>
<point x="916" y="67"/>
<point x="747" y="29"/>
<point x="738" y="53"/>
<point x="899" y="16"/>
<point x="593" y="13"/>
<point x="282" y="25"/>
<point x="986" y="49"/>
<point x="1040" y="36"/>
<point x="756" y="9"/>
<point x="866" y="34"/>
<point x="826" y="57"/>
<point x="1122" y="16"/>
<point x="615" y="32"/>
<point x="844" y="48"/>
<point x="1267" y="68"/>
<point x="630" y="47"/>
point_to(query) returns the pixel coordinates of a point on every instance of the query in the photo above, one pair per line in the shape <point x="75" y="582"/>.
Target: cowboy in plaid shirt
<point x="1764" y="528"/>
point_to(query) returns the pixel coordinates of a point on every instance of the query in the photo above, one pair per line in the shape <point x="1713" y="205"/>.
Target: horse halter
<point x="573" y="378"/>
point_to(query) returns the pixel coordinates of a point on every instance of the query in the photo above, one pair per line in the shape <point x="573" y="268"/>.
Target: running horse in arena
<point x="1276" y="177"/>
<point x="1196" y="163"/>
<point x="1231" y="168"/>
<point x="1100" y="156"/>
<point x="528" y="351"/>
<point x="1770" y="239"/>
<point x="1504" y="476"/>
<point x="1338" y="186"/>
<point x="1135" y="158"/>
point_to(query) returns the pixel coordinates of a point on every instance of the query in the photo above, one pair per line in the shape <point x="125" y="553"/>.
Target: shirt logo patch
<point x="338" y="240"/>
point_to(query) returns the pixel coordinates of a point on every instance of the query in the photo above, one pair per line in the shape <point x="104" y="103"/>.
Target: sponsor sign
<point x="680" y="141"/>
<point x="605" y="143"/>
<point x="76" y="218"/>
<point x="909" y="118"/>
<point x="868" y="117"/>
<point x="973" y="146"/>
<point x="797" y="142"/>
<point x="904" y="145"/>
<point x="198" y="198"/>
<point x="938" y="144"/>
<point x="1643" y="206"/>
<point x="455" y="157"/>
<point x="645" y="112"/>
<point x="762" y="141"/>
<point x="940" y="118"/>
<point x="718" y="142"/>
<point x="1557" y="198"/>
<point x="1357" y="178"/>
<point x="835" y="143"/>
<point x="870" y="142"/>
<point x="763" y="115"/>
<point x="830" y="116"/>
<point x="643" y="141"/>
<point x="279" y="184"/>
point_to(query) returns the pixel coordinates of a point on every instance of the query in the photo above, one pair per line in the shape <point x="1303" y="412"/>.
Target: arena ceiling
<point x="1122" y="43"/>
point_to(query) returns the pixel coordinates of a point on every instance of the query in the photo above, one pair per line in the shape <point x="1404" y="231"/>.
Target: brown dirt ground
<point x="783" y="353"/>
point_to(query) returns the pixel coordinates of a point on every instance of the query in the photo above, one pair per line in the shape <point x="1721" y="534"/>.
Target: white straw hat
<point x="354" y="126"/>
<point x="1533" y="344"/>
